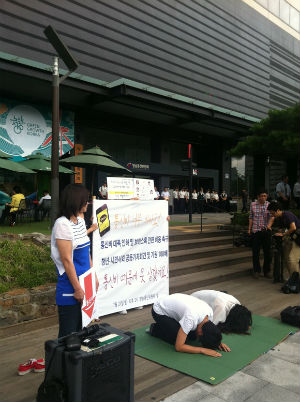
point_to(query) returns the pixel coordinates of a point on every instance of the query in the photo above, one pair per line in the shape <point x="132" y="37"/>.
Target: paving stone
<point x="286" y="351"/>
<point x="193" y="393"/>
<point x="274" y="393"/>
<point x="294" y="338"/>
<point x="237" y="388"/>
<point x="276" y="371"/>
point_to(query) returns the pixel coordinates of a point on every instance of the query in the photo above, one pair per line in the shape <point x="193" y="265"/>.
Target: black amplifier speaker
<point x="95" y="365"/>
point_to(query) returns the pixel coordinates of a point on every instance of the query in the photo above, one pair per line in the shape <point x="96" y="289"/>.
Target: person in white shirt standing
<point x="156" y="193"/>
<point x="283" y="192"/>
<point x="176" y="200"/>
<point x="182" y="200"/>
<point x="103" y="191"/>
<point x="165" y="194"/>
<point x="296" y="192"/>
<point x="195" y="200"/>
<point x="228" y="313"/>
<point x="179" y="317"/>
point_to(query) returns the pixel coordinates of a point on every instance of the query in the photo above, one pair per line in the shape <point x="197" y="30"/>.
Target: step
<point x="198" y="235"/>
<point x="202" y="242"/>
<point x="192" y="254"/>
<point x="217" y="262"/>
<point x="198" y="280"/>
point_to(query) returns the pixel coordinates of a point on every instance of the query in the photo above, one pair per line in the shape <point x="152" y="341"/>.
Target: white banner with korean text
<point x="130" y="254"/>
<point x="128" y="188"/>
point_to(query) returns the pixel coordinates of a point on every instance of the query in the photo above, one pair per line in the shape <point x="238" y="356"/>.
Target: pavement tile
<point x="273" y="393"/>
<point x="193" y="393"/>
<point x="295" y="338"/>
<point x="237" y="388"/>
<point x="276" y="371"/>
<point x="208" y="398"/>
<point x="286" y="351"/>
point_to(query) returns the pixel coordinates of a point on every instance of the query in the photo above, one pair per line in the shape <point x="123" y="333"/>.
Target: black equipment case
<point x="101" y="374"/>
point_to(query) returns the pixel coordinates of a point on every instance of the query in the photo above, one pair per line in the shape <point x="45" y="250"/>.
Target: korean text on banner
<point x="130" y="254"/>
<point x="127" y="188"/>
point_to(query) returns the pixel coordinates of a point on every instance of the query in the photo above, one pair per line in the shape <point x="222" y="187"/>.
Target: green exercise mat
<point x="265" y="333"/>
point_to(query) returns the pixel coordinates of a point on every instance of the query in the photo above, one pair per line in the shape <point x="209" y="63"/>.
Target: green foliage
<point x="24" y="265"/>
<point x="27" y="227"/>
<point x="240" y="218"/>
<point x="276" y="136"/>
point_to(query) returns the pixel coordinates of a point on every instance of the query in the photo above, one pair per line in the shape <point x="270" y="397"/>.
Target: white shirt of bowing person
<point x="180" y="317"/>
<point x="228" y="313"/>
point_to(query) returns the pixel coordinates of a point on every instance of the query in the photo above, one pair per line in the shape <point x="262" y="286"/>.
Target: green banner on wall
<point x="27" y="129"/>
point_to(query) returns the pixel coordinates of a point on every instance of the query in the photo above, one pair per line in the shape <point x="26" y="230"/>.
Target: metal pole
<point x="190" y="184"/>
<point x="55" y="143"/>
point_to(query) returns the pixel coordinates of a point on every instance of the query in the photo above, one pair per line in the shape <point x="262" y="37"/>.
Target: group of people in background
<point x="21" y="202"/>
<point x="202" y="201"/>
<point x="261" y="220"/>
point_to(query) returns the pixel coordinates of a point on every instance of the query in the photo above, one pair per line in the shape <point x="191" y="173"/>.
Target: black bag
<point x="52" y="391"/>
<point x="291" y="315"/>
<point x="292" y="284"/>
<point x="296" y="236"/>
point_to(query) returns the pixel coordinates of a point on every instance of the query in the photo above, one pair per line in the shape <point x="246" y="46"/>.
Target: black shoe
<point x="268" y="275"/>
<point x="150" y="329"/>
<point x="255" y="275"/>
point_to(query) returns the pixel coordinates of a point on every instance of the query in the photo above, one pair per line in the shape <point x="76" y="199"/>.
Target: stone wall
<point x="20" y="305"/>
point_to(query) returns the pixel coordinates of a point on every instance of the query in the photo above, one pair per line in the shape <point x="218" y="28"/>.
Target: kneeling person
<point x="228" y="313"/>
<point x="179" y="317"/>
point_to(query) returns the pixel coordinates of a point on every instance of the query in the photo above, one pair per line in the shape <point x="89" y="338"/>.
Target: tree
<point x="277" y="136"/>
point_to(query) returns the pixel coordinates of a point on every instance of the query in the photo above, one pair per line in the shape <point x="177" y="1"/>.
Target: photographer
<point x="260" y="223"/>
<point x="290" y="249"/>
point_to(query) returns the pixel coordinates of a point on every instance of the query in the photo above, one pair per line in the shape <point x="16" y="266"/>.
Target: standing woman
<point x="70" y="251"/>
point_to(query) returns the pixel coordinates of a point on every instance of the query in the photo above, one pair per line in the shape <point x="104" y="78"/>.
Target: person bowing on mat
<point x="179" y="317"/>
<point x="228" y="313"/>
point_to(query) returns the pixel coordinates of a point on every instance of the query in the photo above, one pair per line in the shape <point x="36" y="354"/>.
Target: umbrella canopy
<point x="96" y="159"/>
<point x="96" y="151"/>
<point x="7" y="164"/>
<point x="4" y="197"/>
<point x="41" y="163"/>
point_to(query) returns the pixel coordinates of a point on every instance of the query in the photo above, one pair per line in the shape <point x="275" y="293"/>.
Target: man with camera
<point x="260" y="222"/>
<point x="290" y="238"/>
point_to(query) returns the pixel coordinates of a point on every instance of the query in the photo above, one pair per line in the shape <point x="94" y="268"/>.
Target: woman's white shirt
<point x="64" y="229"/>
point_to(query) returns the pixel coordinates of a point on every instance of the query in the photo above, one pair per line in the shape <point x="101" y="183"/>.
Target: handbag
<point x="296" y="236"/>
<point x="291" y="315"/>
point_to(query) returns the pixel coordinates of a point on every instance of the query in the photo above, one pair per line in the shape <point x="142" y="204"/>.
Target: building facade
<point x="156" y="75"/>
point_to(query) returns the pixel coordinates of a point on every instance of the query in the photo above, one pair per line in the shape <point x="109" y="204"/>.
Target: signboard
<point x="88" y="284"/>
<point x="78" y="148"/>
<point x="26" y="129"/>
<point x="130" y="254"/>
<point x="126" y="188"/>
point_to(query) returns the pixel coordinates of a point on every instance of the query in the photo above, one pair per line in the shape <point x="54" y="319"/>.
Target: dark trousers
<point x="182" y="205"/>
<point x="244" y="209"/>
<point x="176" y="205"/>
<point x="167" y="328"/>
<point x="195" y="206"/>
<point x="262" y="240"/>
<point x="201" y="206"/>
<point x="6" y="214"/>
<point x="69" y="318"/>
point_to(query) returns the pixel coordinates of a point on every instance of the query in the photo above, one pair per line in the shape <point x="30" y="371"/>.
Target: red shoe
<point x="26" y="367"/>
<point x="39" y="366"/>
